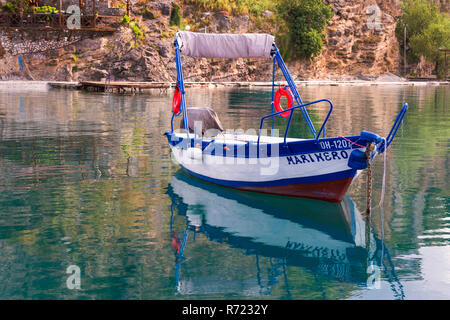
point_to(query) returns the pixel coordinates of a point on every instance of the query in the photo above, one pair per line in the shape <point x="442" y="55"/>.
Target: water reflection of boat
<point x="329" y="239"/>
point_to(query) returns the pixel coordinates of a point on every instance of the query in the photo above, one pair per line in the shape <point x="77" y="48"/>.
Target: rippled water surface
<point x="86" y="179"/>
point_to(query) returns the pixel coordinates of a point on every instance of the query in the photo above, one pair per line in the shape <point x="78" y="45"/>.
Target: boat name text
<point x="317" y="157"/>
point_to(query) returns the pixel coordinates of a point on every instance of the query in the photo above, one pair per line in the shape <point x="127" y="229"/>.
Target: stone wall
<point x="360" y="41"/>
<point x="357" y="47"/>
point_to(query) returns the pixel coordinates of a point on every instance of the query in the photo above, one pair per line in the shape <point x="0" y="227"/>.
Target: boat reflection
<point x="331" y="240"/>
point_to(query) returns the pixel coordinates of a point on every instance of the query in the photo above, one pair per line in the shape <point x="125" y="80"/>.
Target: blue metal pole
<point x="293" y="88"/>
<point x="180" y="82"/>
<point x="398" y="121"/>
<point x="273" y="94"/>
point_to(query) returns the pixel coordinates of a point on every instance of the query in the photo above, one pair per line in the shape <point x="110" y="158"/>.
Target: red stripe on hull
<point x="329" y="191"/>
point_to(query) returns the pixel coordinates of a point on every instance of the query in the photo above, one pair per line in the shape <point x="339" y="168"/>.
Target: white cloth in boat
<point x="204" y="119"/>
<point x="208" y="45"/>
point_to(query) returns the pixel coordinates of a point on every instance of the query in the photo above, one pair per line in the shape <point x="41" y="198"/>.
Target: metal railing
<point x="291" y="110"/>
<point x="396" y="124"/>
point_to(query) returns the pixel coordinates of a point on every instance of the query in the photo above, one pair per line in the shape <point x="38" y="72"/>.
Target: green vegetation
<point x="15" y="6"/>
<point x="148" y="14"/>
<point x="45" y="9"/>
<point x="427" y="30"/>
<point x="299" y="24"/>
<point x="126" y="19"/>
<point x="134" y="26"/>
<point x="11" y="7"/>
<point x="236" y="7"/>
<point x="175" y="16"/>
<point x="305" y="22"/>
<point x="136" y="30"/>
<point x="119" y="5"/>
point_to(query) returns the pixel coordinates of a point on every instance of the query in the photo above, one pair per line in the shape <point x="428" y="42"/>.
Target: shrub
<point x="175" y="16"/>
<point x="305" y="22"/>
<point x="126" y="19"/>
<point x="136" y="30"/>
<point x="45" y="9"/>
<point x="427" y="30"/>
<point x="236" y="7"/>
<point x="11" y="7"/>
<point x="16" y="6"/>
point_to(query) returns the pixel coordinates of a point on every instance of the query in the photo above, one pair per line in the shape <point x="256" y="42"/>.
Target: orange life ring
<point x="176" y="101"/>
<point x="176" y="244"/>
<point x="283" y="92"/>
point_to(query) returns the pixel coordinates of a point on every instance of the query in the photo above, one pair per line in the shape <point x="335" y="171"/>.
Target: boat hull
<point x="312" y="172"/>
<point x="333" y="191"/>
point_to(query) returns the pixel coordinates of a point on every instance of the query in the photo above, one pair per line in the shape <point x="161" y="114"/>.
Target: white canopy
<point x="209" y="45"/>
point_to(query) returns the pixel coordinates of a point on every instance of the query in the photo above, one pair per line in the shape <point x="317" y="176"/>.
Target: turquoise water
<point x="86" y="180"/>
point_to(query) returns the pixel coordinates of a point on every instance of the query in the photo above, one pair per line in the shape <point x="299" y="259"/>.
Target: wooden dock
<point x="122" y="86"/>
<point x="136" y="87"/>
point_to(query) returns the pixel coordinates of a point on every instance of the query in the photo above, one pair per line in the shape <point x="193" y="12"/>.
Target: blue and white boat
<point x="319" y="168"/>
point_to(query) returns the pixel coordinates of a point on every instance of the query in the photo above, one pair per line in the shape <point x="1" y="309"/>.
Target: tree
<point x="427" y="30"/>
<point x="427" y="43"/>
<point x="305" y="21"/>
<point x="417" y="15"/>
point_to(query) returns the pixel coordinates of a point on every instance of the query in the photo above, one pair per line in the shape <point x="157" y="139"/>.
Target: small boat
<point x="319" y="168"/>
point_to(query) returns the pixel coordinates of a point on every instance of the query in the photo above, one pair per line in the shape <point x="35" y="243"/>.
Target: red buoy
<point x="280" y="93"/>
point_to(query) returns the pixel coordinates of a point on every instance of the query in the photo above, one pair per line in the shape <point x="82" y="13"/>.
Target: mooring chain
<point x="368" y="153"/>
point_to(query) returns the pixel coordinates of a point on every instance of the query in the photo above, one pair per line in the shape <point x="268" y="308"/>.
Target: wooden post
<point x="60" y="13"/>
<point x="128" y="8"/>
<point x="445" y="66"/>
<point x="21" y="12"/>
<point x="404" y="52"/>
<point x="94" y="18"/>
<point x="445" y="61"/>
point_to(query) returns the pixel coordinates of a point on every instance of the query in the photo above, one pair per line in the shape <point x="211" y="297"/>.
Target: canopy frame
<point x="277" y="60"/>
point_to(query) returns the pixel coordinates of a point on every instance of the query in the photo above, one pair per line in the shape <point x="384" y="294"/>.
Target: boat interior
<point x="204" y="124"/>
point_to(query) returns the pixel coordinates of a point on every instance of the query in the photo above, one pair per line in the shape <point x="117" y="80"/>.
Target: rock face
<point x="360" y="43"/>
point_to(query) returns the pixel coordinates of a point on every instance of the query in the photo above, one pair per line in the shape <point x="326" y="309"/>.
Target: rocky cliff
<point x="360" y="43"/>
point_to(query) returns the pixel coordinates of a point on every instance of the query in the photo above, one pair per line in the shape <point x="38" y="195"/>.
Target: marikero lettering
<point x="317" y="157"/>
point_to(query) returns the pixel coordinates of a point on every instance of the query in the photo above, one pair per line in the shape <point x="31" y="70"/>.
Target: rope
<point x="383" y="185"/>
<point x="369" y="179"/>
<point x="356" y="144"/>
